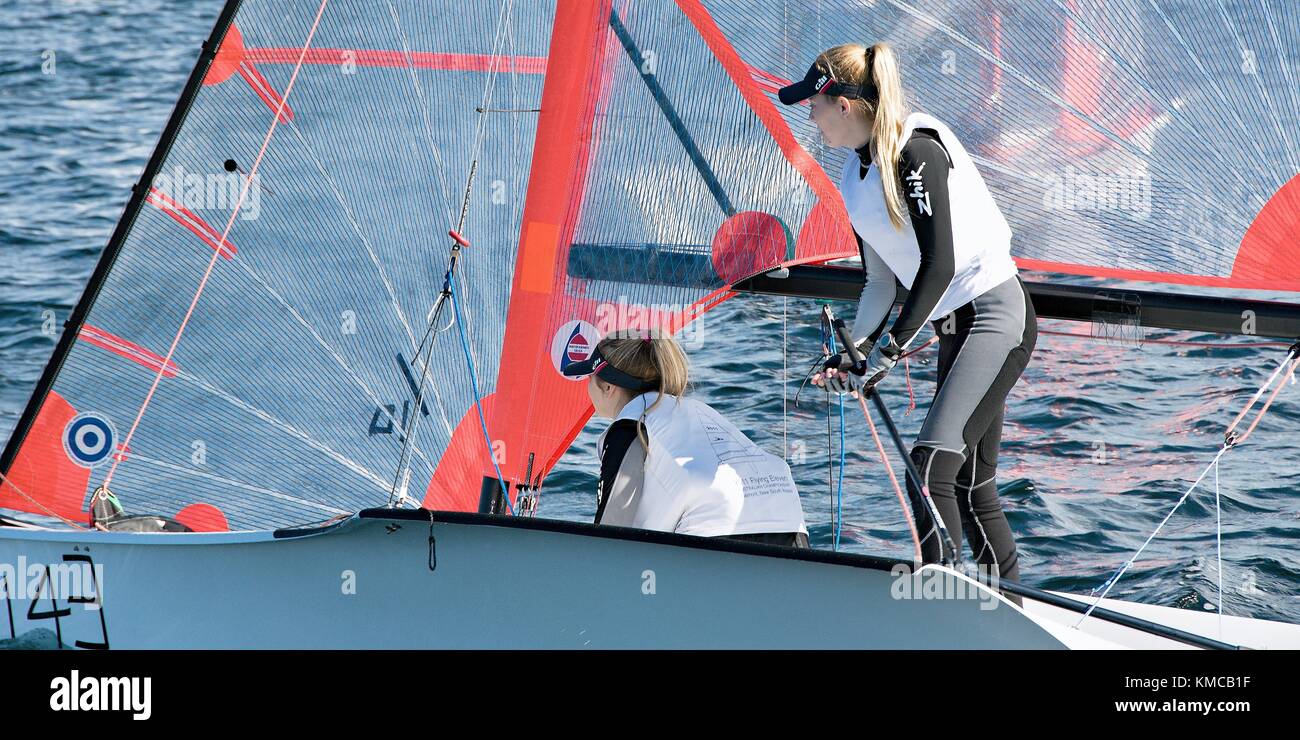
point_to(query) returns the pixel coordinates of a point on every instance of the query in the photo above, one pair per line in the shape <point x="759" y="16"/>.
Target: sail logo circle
<point x="88" y="439"/>
<point x="573" y="342"/>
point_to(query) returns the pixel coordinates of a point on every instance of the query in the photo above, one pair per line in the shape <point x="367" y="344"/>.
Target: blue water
<point x="1101" y="439"/>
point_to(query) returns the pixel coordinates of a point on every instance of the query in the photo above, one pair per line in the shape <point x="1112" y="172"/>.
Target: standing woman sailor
<point x="672" y="463"/>
<point x="924" y="217"/>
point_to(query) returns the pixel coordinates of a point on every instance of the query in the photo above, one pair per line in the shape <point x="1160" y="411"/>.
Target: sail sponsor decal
<point x="573" y="342"/>
<point x="89" y="439"/>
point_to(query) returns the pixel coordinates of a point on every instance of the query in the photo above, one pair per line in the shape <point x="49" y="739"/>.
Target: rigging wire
<point x="402" y="476"/>
<point x="834" y="476"/>
<point x="450" y="278"/>
<point x="839" y="484"/>
<point x="1231" y="439"/>
<point x="1110" y="582"/>
<point x="898" y="490"/>
<point x="785" y="421"/>
<point x="830" y="462"/>
<point x="830" y="449"/>
<point x="478" y="398"/>
<point x="833" y="329"/>
<point x="1218" y="543"/>
<point x="501" y="35"/>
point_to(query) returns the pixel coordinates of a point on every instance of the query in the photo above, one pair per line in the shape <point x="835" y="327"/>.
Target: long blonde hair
<point x="655" y="359"/>
<point x="848" y="64"/>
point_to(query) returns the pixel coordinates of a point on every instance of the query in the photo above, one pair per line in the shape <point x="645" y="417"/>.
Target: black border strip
<point x="1221" y="315"/>
<point x="139" y="192"/>
<point x="873" y="562"/>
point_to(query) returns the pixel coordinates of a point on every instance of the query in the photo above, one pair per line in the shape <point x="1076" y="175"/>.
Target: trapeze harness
<point x="701" y="476"/>
<point x="953" y="255"/>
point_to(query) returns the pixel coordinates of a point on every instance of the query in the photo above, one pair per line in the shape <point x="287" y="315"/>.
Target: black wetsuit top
<point x="621" y="435"/>
<point x="923" y="167"/>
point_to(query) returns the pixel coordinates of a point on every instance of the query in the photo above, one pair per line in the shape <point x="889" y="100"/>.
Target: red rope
<point x="884" y="457"/>
<point x="5" y="479"/>
<point x="1228" y="436"/>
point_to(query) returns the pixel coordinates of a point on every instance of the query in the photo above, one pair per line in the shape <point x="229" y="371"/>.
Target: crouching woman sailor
<point x="673" y="464"/>
<point x="923" y="216"/>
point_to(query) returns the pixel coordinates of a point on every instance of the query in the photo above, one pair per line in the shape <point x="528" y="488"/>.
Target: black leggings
<point x="983" y="348"/>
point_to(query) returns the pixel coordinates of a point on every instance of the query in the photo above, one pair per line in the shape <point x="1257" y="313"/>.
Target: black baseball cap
<point x="819" y="81"/>
<point x="605" y="371"/>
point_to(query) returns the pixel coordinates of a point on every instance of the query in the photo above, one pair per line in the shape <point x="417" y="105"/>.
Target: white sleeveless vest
<point x="704" y="477"/>
<point x="981" y="236"/>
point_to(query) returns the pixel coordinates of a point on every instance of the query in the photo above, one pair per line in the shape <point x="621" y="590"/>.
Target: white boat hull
<point x="508" y="583"/>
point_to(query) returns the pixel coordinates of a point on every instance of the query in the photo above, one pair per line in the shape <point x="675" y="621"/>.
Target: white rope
<point x="1228" y="444"/>
<point x="1115" y="578"/>
<point x="1218" y="543"/>
<point x="398" y="492"/>
<point x="785" y="379"/>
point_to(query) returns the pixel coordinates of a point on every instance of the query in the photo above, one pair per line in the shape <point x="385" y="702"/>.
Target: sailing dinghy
<point x="313" y="388"/>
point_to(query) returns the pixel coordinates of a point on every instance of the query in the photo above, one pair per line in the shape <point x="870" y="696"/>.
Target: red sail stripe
<point x="1289" y="283"/>
<point x="98" y="333"/>
<point x="265" y="91"/>
<point x="387" y="58"/>
<point x="187" y="218"/>
<point x="124" y="348"/>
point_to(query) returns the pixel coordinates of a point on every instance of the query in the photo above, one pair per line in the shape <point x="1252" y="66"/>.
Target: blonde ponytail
<point x="659" y="360"/>
<point x="848" y="63"/>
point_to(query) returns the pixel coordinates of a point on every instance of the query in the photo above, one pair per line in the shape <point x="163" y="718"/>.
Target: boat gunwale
<point x="585" y="529"/>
